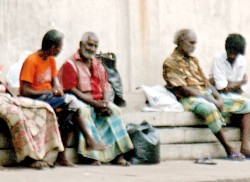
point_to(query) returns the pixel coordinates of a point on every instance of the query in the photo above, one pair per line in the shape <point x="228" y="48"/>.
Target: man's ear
<point x="80" y="44"/>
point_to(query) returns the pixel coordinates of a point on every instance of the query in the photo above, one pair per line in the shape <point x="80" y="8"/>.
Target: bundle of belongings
<point x="114" y="79"/>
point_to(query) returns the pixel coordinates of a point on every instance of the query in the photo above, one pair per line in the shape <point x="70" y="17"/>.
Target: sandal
<point x="206" y="160"/>
<point x="236" y="156"/>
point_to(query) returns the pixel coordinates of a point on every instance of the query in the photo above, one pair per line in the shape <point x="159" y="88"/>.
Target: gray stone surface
<point x="194" y="151"/>
<point x="168" y="171"/>
<point x="187" y="135"/>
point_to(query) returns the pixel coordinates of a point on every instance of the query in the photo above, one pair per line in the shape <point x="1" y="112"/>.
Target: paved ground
<point x="166" y="171"/>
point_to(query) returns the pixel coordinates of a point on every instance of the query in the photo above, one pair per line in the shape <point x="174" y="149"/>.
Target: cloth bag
<point x="116" y="92"/>
<point x="146" y="144"/>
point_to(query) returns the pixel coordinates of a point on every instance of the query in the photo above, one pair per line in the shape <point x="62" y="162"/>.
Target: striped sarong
<point x="233" y="104"/>
<point x="109" y="131"/>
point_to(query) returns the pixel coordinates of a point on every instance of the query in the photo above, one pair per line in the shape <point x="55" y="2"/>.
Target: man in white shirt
<point x="229" y="68"/>
<point x="230" y="79"/>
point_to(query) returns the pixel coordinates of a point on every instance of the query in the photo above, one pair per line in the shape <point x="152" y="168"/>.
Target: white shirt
<point x="223" y="71"/>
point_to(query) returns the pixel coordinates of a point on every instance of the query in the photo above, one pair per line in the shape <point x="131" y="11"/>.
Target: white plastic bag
<point x="13" y="73"/>
<point x="161" y="99"/>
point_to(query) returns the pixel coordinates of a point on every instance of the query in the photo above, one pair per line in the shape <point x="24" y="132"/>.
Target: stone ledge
<point x="193" y="151"/>
<point x="162" y="118"/>
<point x="187" y="135"/>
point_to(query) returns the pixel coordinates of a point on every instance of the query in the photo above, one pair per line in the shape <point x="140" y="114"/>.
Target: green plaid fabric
<point x="233" y="104"/>
<point x="108" y="130"/>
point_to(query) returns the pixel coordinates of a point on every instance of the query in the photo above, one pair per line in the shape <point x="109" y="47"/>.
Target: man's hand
<point x="58" y="91"/>
<point x="101" y="108"/>
<point x="219" y="104"/>
<point x="100" y="104"/>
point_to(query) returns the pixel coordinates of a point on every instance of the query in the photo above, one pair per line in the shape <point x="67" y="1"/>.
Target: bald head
<point x="185" y="40"/>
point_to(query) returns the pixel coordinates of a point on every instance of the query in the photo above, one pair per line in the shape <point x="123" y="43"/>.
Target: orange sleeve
<point x="28" y="70"/>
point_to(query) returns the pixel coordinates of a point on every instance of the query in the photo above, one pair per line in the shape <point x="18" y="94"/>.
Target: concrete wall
<point x="140" y="32"/>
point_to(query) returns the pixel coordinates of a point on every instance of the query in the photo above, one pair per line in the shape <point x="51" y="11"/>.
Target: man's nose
<point x="92" y="48"/>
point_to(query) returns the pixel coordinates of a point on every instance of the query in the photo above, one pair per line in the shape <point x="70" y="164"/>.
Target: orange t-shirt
<point x="38" y="72"/>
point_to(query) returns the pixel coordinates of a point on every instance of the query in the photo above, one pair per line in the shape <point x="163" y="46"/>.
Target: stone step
<point x="193" y="151"/>
<point x="168" y="152"/>
<point x="168" y="135"/>
<point x="162" y="118"/>
<point x="185" y="135"/>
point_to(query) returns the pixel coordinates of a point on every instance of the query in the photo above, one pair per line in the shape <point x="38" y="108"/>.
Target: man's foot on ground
<point x="34" y="164"/>
<point x="120" y="161"/>
<point x="236" y="156"/>
<point x="95" y="163"/>
<point x="65" y="163"/>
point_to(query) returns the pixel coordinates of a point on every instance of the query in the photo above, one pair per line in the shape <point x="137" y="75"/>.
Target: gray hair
<point x="181" y="35"/>
<point x="86" y="36"/>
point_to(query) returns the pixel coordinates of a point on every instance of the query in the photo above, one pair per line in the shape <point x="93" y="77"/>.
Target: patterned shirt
<point x="179" y="70"/>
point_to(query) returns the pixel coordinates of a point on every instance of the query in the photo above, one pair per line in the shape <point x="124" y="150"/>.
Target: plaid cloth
<point x="211" y="115"/>
<point x="107" y="130"/>
<point x="33" y="126"/>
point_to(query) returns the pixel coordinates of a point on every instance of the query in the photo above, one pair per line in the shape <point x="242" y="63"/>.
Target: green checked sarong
<point x="233" y="104"/>
<point x="109" y="131"/>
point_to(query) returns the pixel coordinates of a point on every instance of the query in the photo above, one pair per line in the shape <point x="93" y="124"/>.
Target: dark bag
<point x="114" y="79"/>
<point x="146" y="144"/>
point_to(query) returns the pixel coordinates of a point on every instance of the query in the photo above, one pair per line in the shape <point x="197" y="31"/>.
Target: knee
<point x="204" y="110"/>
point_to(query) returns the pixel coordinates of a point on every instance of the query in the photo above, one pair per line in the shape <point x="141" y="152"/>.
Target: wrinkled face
<point x="231" y="56"/>
<point x="88" y="48"/>
<point x="188" y="44"/>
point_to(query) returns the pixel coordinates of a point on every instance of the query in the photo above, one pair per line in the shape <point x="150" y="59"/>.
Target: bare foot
<point x="65" y="163"/>
<point x="91" y="145"/>
<point x="32" y="163"/>
<point x="95" y="163"/>
<point x="37" y="164"/>
<point x="121" y="161"/>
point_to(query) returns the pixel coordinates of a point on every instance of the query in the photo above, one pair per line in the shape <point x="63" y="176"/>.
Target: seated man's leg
<point x="240" y="105"/>
<point x="64" y="116"/>
<point x="213" y="119"/>
<point x="56" y="103"/>
<point x="245" y="133"/>
<point x="74" y="103"/>
<point x="126" y="143"/>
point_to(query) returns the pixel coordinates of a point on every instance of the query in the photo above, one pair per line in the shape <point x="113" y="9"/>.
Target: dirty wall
<point x="140" y="32"/>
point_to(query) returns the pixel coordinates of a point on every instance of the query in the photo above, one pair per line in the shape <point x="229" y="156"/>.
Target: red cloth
<point x="75" y="73"/>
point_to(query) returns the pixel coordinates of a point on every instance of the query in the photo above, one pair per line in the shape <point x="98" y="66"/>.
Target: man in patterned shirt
<point x="185" y="78"/>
